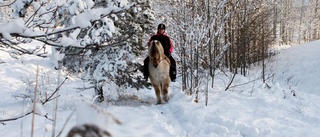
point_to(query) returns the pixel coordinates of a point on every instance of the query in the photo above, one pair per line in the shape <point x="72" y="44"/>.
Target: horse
<point x="159" y="65"/>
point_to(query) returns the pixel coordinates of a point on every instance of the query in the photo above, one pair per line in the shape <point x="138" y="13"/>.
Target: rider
<point x="167" y="47"/>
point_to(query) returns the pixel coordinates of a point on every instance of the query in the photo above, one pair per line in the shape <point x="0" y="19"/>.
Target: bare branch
<point x="234" y="75"/>
<point x="64" y="125"/>
<point x="23" y="115"/>
<point x="5" y="5"/>
<point x="57" y="89"/>
<point x="250" y="82"/>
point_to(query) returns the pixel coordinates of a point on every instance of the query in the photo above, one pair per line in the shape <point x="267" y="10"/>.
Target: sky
<point x="254" y="109"/>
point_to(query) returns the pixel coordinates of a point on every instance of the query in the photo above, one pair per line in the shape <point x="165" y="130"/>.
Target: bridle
<point x="159" y="60"/>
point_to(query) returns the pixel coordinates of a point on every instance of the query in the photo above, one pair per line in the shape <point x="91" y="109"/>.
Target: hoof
<point x="165" y="98"/>
<point x="158" y="103"/>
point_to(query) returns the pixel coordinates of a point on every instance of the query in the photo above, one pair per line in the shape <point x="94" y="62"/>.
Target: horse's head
<point x="155" y="53"/>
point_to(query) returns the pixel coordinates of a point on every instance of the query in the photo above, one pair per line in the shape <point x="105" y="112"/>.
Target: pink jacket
<point x="165" y="41"/>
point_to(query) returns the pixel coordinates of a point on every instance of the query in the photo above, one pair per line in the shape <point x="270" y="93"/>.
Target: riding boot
<point x="173" y="74"/>
<point x="172" y="71"/>
<point x="146" y="68"/>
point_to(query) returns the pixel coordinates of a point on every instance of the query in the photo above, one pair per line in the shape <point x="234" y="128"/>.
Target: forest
<point x="101" y="41"/>
<point x="229" y="35"/>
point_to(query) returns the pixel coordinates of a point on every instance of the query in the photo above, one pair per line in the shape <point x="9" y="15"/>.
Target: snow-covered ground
<point x="254" y="109"/>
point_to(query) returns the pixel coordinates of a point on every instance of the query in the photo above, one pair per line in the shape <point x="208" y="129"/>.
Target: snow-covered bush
<point x="112" y="46"/>
<point x="97" y="39"/>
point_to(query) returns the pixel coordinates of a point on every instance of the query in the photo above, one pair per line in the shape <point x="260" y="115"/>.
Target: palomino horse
<point x="159" y="66"/>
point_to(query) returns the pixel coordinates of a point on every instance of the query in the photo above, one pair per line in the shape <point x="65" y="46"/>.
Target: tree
<point x="239" y="31"/>
<point x="98" y="38"/>
<point x="197" y="38"/>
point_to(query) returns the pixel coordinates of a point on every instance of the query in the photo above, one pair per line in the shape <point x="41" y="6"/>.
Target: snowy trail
<point x="227" y="114"/>
<point x="251" y="110"/>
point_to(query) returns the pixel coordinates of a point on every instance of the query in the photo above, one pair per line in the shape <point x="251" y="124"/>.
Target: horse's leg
<point x="157" y="91"/>
<point x="165" y="90"/>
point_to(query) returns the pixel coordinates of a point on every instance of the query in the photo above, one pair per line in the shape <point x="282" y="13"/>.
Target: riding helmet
<point x="161" y="26"/>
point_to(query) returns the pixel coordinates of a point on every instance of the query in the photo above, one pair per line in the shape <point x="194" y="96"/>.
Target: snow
<point x="251" y="110"/>
<point x="303" y="78"/>
<point x="55" y="57"/>
<point x="14" y="26"/>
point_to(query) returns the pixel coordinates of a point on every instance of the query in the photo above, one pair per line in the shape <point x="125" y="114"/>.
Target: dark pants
<point x="172" y="71"/>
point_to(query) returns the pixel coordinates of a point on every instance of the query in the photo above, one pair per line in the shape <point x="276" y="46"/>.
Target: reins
<point x="164" y="59"/>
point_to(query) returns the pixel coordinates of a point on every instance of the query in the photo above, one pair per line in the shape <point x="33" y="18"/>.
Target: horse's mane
<point x="153" y="49"/>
